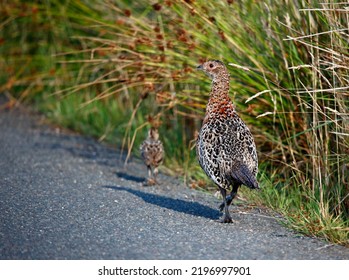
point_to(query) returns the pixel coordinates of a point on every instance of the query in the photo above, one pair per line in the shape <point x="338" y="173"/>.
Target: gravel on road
<point x="65" y="196"/>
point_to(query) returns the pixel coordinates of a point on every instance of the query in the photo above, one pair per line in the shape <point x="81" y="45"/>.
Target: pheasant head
<point x="215" y="69"/>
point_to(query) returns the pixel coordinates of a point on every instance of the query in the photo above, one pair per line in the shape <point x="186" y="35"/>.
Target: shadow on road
<point x="81" y="147"/>
<point x="130" y="177"/>
<point x="179" y="205"/>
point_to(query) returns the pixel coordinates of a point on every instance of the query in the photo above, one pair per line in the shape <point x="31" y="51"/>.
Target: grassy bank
<point x="102" y="69"/>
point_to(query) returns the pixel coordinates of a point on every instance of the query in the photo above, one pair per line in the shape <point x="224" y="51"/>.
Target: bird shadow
<point x="130" y="177"/>
<point x="175" y="204"/>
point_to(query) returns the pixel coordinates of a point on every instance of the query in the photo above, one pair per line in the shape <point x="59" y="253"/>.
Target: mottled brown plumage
<point x="152" y="152"/>
<point x="225" y="147"/>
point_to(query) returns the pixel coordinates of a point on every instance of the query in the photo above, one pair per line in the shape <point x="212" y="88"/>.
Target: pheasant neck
<point x="220" y="88"/>
<point x="219" y="101"/>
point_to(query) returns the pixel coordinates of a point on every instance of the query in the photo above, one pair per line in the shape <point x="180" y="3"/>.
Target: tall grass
<point x="101" y="67"/>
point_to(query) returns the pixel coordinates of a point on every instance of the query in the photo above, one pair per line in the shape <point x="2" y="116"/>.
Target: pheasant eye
<point x="211" y="65"/>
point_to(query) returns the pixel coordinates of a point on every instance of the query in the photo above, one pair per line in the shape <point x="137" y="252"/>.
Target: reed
<point x="101" y="67"/>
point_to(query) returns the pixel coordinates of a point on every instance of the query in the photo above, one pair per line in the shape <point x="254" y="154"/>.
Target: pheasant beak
<point x="199" y="67"/>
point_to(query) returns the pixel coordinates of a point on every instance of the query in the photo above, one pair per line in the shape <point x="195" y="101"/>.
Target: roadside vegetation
<point x="103" y="68"/>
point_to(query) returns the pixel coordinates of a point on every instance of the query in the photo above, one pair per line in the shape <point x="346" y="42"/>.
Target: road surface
<point x="65" y="196"/>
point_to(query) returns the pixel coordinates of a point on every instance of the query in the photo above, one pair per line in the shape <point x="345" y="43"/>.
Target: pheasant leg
<point x="226" y="217"/>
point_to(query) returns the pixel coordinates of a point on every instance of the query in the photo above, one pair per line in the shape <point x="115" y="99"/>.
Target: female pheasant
<point x="225" y="147"/>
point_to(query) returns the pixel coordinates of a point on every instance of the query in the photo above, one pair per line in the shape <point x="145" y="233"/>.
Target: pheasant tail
<point x="242" y="173"/>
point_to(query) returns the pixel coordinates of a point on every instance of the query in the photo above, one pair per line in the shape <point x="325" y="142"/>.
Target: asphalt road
<point x="64" y="196"/>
